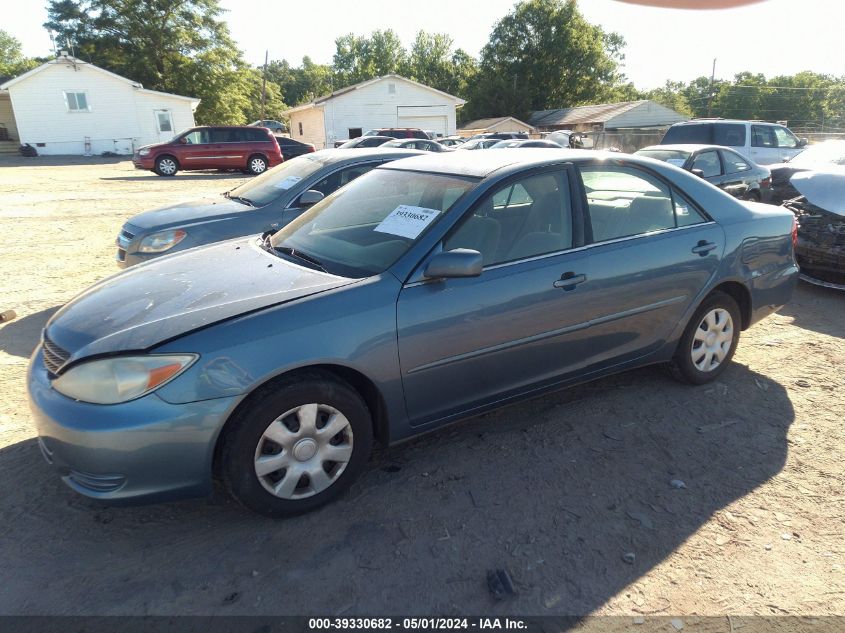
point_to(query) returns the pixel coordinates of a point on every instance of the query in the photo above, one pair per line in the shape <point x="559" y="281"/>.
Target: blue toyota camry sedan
<point x="428" y="289"/>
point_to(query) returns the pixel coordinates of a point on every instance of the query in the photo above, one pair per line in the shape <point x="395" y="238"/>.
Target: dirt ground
<point x="555" y="490"/>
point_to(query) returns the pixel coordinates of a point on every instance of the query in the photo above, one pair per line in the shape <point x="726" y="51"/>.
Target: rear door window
<point x="731" y="134"/>
<point x="699" y="133"/>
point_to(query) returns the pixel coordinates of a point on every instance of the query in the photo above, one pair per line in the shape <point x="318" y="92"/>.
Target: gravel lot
<point x="555" y="490"/>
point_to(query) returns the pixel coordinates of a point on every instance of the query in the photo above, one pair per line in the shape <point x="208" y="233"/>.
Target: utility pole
<point x="264" y="84"/>
<point x="710" y="92"/>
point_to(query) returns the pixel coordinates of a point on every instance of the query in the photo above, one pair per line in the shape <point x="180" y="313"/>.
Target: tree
<point x="302" y="84"/>
<point x="671" y="96"/>
<point x="544" y="54"/>
<point x="179" y="46"/>
<point x="12" y="60"/>
<point x="358" y="58"/>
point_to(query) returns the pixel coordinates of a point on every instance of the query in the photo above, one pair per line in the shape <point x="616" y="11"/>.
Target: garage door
<point x="435" y="123"/>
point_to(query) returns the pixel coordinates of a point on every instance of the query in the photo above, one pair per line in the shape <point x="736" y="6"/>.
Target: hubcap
<point x="303" y="451"/>
<point x="167" y="166"/>
<point x="258" y="165"/>
<point x="713" y="340"/>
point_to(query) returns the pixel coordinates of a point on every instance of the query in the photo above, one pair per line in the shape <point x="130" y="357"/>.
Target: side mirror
<point x="802" y="142"/>
<point x="698" y="172"/>
<point x="310" y="197"/>
<point x="460" y="262"/>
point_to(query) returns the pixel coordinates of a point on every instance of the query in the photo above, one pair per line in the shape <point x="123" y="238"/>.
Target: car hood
<point x="823" y="189"/>
<point x="186" y="213"/>
<point x="166" y="298"/>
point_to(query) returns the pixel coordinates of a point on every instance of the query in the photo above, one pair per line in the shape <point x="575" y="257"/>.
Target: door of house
<point x="164" y="125"/>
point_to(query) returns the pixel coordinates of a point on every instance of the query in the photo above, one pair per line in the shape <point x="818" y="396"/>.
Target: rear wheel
<point x="298" y="444"/>
<point x="709" y="342"/>
<point x="256" y="165"/>
<point x="166" y="166"/>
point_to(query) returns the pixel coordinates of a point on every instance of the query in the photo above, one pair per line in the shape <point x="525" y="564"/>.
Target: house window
<point x="76" y="101"/>
<point x="300" y="128"/>
<point x="391" y="89"/>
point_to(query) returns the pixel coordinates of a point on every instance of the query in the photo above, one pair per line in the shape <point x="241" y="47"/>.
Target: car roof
<point x="482" y="164"/>
<point x="684" y="147"/>
<point x="700" y="121"/>
<point x="337" y="155"/>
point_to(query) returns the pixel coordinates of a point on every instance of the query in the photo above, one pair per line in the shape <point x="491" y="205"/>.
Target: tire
<point x="256" y="165"/>
<point x="166" y="166"/>
<point x="713" y="330"/>
<point x="273" y="430"/>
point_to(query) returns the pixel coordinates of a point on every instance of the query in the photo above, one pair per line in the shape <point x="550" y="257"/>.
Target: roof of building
<point x="75" y="62"/>
<point x="483" y="124"/>
<point x="342" y="91"/>
<point x="600" y="113"/>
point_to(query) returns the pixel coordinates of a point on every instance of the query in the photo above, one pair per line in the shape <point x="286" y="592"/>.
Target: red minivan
<point x="251" y="149"/>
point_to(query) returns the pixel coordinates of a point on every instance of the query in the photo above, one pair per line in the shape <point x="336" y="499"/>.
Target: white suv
<point x="763" y="143"/>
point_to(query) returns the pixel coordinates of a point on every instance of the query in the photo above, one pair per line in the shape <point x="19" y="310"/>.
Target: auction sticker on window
<point x="288" y="182"/>
<point x="407" y="221"/>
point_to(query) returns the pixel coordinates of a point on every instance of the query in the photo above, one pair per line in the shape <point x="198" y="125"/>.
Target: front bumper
<point x="143" y="162"/>
<point x="143" y="450"/>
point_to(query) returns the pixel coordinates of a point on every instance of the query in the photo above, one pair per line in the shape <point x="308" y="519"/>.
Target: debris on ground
<point x="499" y="584"/>
<point x="629" y="557"/>
<point x="677" y="484"/>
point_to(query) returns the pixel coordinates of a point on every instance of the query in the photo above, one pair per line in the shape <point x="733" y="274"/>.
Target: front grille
<point x="54" y="356"/>
<point x="124" y="238"/>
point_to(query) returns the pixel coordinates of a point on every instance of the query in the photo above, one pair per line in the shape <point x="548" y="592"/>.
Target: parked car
<point x="291" y="148"/>
<point x="366" y="141"/>
<point x="277" y="127"/>
<point x="719" y="166"/>
<point x="397" y="132"/>
<point x="820" y="210"/>
<point x="251" y="149"/>
<point x="826" y="156"/>
<point x="501" y="136"/>
<point x="478" y="143"/>
<point x="262" y="204"/>
<point x="526" y="144"/>
<point x="416" y="143"/>
<point x="427" y="290"/>
<point x="758" y="141"/>
<point x="451" y="141"/>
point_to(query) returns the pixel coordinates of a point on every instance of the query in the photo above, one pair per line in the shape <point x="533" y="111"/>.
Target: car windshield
<point x="830" y="152"/>
<point x="363" y="228"/>
<point x="394" y="143"/>
<point x="673" y="156"/>
<point x="267" y="187"/>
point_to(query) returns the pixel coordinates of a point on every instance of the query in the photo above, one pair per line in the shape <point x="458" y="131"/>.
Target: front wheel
<point x="709" y="342"/>
<point x="166" y="166"/>
<point x="257" y="165"/>
<point x="296" y="446"/>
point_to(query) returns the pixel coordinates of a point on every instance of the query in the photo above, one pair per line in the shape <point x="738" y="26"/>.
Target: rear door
<point x="230" y="146"/>
<point x="464" y="343"/>
<point x="738" y="173"/>
<point x="653" y="251"/>
<point x="764" y="146"/>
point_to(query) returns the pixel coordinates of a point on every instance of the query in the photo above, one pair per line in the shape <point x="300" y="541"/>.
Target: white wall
<point x="313" y="128"/>
<point x="7" y="118"/>
<point x="121" y="116"/>
<point x="375" y="106"/>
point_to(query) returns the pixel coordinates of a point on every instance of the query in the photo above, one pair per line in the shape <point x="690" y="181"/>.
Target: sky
<point x="774" y="37"/>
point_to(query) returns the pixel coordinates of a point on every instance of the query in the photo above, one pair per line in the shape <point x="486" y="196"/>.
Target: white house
<point x="68" y="106"/>
<point x="388" y="101"/>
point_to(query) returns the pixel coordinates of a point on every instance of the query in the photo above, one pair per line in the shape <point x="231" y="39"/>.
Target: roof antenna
<point x="72" y="52"/>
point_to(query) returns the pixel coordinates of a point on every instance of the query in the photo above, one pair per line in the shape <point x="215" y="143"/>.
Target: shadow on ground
<point x="11" y="160"/>
<point x="812" y="308"/>
<point x="192" y="175"/>
<point x="20" y="336"/>
<point x="555" y="490"/>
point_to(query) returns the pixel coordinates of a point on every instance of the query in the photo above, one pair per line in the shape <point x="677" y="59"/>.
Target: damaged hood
<point x="824" y="189"/>
<point x="149" y="304"/>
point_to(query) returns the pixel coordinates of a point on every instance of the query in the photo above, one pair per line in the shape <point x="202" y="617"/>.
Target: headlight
<point x="144" y="152"/>
<point x="119" y="379"/>
<point x="162" y="241"/>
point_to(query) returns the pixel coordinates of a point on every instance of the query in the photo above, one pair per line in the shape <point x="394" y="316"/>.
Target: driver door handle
<point x="703" y="247"/>
<point x="569" y="280"/>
